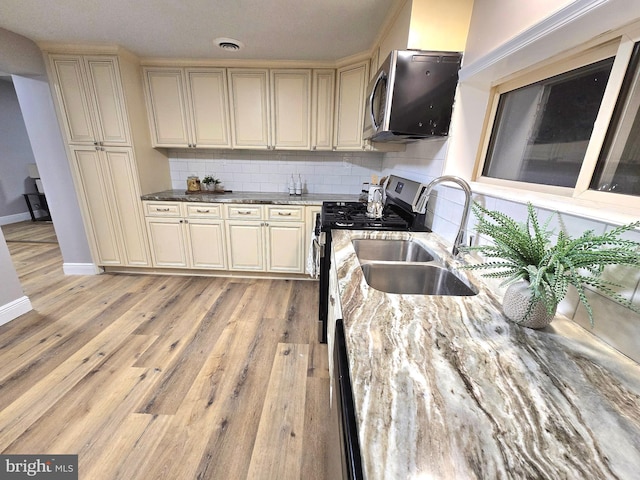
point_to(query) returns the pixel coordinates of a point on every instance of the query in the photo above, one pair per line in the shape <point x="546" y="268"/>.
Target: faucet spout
<point x="467" y="204"/>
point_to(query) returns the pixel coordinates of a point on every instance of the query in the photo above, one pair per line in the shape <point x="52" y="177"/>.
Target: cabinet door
<point x="120" y="172"/>
<point x="245" y="244"/>
<point x="284" y="247"/>
<point x="166" y="105"/>
<point x="322" y="109"/>
<point x="103" y="76"/>
<point x="350" y="105"/>
<point x="209" y="107"/>
<point x="166" y="236"/>
<point x="291" y="108"/>
<point x="207" y="243"/>
<point x="68" y="79"/>
<point x="95" y="200"/>
<point x="249" y="98"/>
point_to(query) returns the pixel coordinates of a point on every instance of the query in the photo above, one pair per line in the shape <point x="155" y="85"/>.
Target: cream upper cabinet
<point x="350" y="106"/>
<point x="90" y="97"/>
<point x="250" y="110"/>
<point x="322" y="109"/>
<point x="110" y="199"/>
<point x="291" y="109"/>
<point x="167" y="107"/>
<point x="188" y="107"/>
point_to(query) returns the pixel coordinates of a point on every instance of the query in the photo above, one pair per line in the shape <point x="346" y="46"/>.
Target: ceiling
<point x="313" y="30"/>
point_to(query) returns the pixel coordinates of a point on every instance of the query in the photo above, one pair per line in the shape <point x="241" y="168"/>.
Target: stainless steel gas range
<point x="404" y="205"/>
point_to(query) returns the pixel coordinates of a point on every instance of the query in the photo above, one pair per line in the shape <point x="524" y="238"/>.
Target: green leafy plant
<point x="524" y="251"/>
<point x="209" y="179"/>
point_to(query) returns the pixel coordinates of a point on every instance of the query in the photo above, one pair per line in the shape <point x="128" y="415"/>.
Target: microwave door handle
<point x="381" y="75"/>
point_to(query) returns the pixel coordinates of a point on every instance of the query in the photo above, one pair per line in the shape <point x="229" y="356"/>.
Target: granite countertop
<point x="250" y="197"/>
<point x="447" y="388"/>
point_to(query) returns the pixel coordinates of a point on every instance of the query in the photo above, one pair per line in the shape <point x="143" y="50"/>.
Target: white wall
<point x="44" y="133"/>
<point x="255" y="171"/>
<point x="13" y="302"/>
<point x="15" y="155"/>
<point x="20" y="57"/>
<point x="495" y="21"/>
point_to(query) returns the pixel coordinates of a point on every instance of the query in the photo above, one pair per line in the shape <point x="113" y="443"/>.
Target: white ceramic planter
<point x="516" y="305"/>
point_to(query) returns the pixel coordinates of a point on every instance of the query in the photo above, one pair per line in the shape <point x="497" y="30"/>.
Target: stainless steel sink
<point x="415" y="279"/>
<point x="390" y="250"/>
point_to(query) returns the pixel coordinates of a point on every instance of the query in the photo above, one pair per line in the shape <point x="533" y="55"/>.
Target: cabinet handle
<point x="158" y="209"/>
<point x="244" y="212"/>
<point x="202" y="211"/>
<point x="284" y="214"/>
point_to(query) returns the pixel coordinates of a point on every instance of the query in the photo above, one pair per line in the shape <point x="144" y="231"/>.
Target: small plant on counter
<point x="524" y="254"/>
<point x="211" y="182"/>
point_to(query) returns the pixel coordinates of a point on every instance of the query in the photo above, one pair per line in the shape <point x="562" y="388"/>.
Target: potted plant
<point x="211" y="182"/>
<point x="538" y="272"/>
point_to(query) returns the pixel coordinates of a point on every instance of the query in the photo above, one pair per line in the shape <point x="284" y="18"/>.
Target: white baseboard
<point x="81" y="269"/>
<point x="14" y="309"/>
<point x="15" y="218"/>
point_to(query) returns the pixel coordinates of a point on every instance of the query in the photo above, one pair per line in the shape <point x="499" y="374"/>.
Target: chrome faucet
<point x="467" y="203"/>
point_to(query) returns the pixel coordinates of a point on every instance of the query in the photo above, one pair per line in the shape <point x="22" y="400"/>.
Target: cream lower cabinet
<point x="106" y="181"/>
<point x="186" y="235"/>
<point x="267" y="239"/>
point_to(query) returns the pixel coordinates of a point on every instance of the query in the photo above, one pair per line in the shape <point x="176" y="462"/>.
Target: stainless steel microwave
<point x="411" y="96"/>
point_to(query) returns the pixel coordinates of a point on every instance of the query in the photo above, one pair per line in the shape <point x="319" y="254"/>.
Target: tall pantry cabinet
<point x="100" y="106"/>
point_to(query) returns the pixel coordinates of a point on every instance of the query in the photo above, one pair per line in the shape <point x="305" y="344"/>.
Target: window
<point x="541" y="131"/>
<point x="618" y="168"/>
<point x="570" y="128"/>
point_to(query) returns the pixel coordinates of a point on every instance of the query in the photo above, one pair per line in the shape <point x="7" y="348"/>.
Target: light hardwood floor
<point x="164" y="377"/>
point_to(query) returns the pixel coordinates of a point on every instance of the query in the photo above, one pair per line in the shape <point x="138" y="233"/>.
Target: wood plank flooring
<point x="172" y="377"/>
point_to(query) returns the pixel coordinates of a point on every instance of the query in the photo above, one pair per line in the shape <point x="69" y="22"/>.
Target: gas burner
<point x="353" y="215"/>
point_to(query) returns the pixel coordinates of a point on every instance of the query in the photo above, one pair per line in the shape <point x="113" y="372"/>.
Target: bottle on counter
<point x="299" y="185"/>
<point x="292" y="186"/>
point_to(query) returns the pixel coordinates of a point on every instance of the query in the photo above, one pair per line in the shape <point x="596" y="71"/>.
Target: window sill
<point x="589" y="209"/>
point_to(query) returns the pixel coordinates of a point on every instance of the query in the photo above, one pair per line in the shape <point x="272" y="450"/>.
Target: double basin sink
<point x="407" y="267"/>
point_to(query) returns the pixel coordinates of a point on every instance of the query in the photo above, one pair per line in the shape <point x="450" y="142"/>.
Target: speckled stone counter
<point x="250" y="197"/>
<point x="447" y="388"/>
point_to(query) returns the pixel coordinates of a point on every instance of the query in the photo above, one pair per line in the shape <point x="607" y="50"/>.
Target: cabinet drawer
<point x="162" y="209"/>
<point x="244" y="212"/>
<point x="282" y="213"/>
<point x="203" y="210"/>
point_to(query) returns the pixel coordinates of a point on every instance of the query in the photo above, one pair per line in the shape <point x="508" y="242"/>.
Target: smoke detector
<point x="228" y="44"/>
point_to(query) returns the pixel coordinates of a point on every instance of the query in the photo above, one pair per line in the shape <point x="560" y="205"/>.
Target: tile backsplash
<point x="256" y="171"/>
